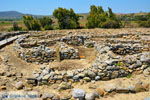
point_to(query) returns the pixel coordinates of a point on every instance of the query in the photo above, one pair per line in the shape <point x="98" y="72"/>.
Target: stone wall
<point x="10" y="34"/>
<point x="39" y="54"/>
<point x="107" y="65"/>
<point x="112" y="60"/>
<point x="67" y="52"/>
<point x="41" y="51"/>
<point x="44" y="54"/>
<point x="74" y="40"/>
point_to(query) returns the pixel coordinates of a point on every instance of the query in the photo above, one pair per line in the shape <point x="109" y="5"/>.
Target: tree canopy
<point x="67" y="19"/>
<point x="98" y="18"/>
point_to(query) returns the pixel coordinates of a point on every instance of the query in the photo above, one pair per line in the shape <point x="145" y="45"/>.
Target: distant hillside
<point x="10" y="15"/>
<point x="14" y="15"/>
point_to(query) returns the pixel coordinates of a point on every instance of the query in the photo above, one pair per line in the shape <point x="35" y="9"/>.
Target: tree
<point x="67" y="19"/>
<point x="98" y="18"/>
<point x="31" y="23"/>
<point x="46" y="23"/>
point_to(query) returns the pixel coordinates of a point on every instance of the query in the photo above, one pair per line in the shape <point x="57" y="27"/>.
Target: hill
<point x="14" y="15"/>
<point x="10" y="15"/>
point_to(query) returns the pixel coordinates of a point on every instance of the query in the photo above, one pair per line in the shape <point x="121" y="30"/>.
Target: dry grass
<point x="6" y="25"/>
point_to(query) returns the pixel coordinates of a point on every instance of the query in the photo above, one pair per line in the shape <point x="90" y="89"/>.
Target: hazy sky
<point x="46" y="7"/>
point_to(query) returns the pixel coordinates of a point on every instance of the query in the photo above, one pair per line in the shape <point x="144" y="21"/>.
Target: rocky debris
<point x="91" y="96"/>
<point x="64" y="86"/>
<point x="32" y="81"/>
<point x="145" y="57"/>
<point x="146" y="72"/>
<point x="28" y="44"/>
<point x="100" y="92"/>
<point x="78" y="94"/>
<point x="74" y="40"/>
<point x="89" y="44"/>
<point x="47" y="96"/>
<point x="124" y="50"/>
<point x="56" y="97"/>
<point x="67" y="52"/>
<point x="19" y="85"/>
<point x="87" y="79"/>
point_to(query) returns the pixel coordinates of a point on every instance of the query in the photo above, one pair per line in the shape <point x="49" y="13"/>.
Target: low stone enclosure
<point x="113" y="60"/>
<point x="48" y="51"/>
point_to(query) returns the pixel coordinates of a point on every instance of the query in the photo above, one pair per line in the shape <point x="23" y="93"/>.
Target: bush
<point x="145" y="24"/>
<point x="15" y="27"/>
<point x="98" y="18"/>
<point x="111" y="24"/>
<point x="38" y="24"/>
<point x="67" y="19"/>
<point x="31" y="23"/>
<point x="46" y="23"/>
<point x="48" y="27"/>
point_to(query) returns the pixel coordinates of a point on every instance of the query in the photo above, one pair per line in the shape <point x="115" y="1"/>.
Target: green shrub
<point x="35" y="24"/>
<point x="48" y="27"/>
<point x="31" y="23"/>
<point x="46" y="23"/>
<point x="111" y="24"/>
<point x="145" y="24"/>
<point x="15" y="27"/>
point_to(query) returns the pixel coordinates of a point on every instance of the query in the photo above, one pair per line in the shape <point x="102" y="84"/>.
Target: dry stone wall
<point x="112" y="60"/>
<point x="67" y="52"/>
<point x="41" y="52"/>
<point x="107" y="65"/>
<point x="10" y="34"/>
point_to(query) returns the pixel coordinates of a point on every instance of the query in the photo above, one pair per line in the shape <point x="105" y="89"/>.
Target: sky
<point x="46" y="7"/>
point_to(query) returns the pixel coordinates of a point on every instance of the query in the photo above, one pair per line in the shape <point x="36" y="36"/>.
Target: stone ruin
<point x="32" y="52"/>
<point x="39" y="54"/>
<point x="107" y="65"/>
<point x="43" y="54"/>
<point x="112" y="60"/>
<point x="67" y="52"/>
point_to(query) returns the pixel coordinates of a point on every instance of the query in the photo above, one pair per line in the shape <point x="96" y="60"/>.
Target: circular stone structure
<point x="112" y="60"/>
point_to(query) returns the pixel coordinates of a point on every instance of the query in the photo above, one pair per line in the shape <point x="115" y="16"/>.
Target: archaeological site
<point x="80" y="64"/>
